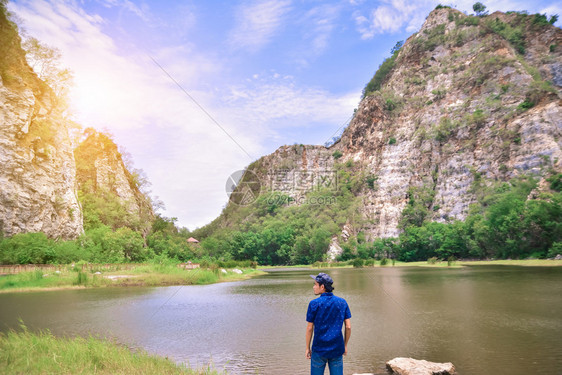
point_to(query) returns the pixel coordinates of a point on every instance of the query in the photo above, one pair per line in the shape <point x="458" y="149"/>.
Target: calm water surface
<point x="486" y="320"/>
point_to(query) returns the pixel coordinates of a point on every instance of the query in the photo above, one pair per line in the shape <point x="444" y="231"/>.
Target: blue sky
<point x="268" y="72"/>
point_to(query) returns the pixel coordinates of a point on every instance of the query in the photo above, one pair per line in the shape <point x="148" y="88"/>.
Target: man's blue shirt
<point x="328" y="313"/>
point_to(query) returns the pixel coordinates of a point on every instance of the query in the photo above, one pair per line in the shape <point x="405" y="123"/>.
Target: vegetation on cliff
<point x="110" y="194"/>
<point x="276" y="230"/>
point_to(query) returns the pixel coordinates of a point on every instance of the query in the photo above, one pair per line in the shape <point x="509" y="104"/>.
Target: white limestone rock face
<point x="37" y="169"/>
<point x="455" y="121"/>
<point x="334" y="251"/>
<point x="447" y="120"/>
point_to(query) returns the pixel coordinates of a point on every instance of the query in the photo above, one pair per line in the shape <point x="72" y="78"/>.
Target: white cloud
<point x="257" y="23"/>
<point x="319" y="24"/>
<point x="391" y="16"/>
<point x="276" y="103"/>
<point x="128" y="6"/>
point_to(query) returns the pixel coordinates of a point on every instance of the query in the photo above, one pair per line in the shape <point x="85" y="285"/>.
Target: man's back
<point x="328" y="313"/>
<point x="325" y="316"/>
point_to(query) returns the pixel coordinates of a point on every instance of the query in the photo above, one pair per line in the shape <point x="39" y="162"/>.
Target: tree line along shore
<point x="169" y="272"/>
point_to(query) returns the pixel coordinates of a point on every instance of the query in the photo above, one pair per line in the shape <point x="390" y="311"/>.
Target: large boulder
<point x="410" y="366"/>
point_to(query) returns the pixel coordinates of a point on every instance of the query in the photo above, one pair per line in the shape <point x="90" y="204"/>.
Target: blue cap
<point x="323" y="278"/>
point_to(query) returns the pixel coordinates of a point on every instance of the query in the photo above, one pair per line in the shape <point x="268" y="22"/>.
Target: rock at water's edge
<point x="410" y="366"/>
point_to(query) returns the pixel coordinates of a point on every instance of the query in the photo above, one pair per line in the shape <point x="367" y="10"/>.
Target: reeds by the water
<point x="24" y="352"/>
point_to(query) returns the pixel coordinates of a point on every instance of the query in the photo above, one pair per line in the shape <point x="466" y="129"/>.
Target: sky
<point x="196" y="90"/>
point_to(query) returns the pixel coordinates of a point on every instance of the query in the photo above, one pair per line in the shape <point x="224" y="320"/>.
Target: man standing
<point x="325" y="316"/>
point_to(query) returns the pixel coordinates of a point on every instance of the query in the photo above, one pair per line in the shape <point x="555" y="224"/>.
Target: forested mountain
<point x="455" y="150"/>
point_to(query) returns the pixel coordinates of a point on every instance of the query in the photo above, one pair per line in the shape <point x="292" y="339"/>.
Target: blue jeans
<point x="318" y="364"/>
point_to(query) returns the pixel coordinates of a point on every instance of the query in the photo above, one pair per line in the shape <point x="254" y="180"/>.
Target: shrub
<point x="392" y="141"/>
<point x="468" y="21"/>
<point x="384" y="261"/>
<point x="384" y="70"/>
<point x="371" y="181"/>
<point x="513" y="35"/>
<point x="478" y="117"/>
<point x="432" y="260"/>
<point x="81" y="278"/>
<point x="554" y="250"/>
<point x="538" y="90"/>
<point x="27" y="248"/>
<point x="337" y="154"/>
<point x="390" y="104"/>
<point x="525" y="105"/>
<point x="358" y="263"/>
<point x="439" y="94"/>
<point x="540" y="20"/>
<point x="555" y="182"/>
<point x="435" y="37"/>
<point x="444" y="130"/>
<point x="451" y="260"/>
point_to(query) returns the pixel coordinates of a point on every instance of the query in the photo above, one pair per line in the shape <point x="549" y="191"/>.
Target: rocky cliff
<point x="41" y="175"/>
<point x="101" y="171"/>
<point x="37" y="172"/>
<point x="467" y="101"/>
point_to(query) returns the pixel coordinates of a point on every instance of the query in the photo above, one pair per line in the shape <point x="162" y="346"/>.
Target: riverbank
<point x="73" y="277"/>
<point x="446" y="264"/>
<point x="505" y="262"/>
<point x="30" y="353"/>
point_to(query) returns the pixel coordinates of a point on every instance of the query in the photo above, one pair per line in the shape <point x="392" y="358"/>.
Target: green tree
<point x="27" y="248"/>
<point x="479" y="9"/>
<point x="45" y="61"/>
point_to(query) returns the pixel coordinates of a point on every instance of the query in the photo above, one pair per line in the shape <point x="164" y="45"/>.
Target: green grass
<point x="42" y="353"/>
<point x="515" y="262"/>
<point x="141" y="275"/>
<point x="461" y="263"/>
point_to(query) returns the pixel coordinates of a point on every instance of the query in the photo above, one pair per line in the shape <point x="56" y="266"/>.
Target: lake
<point x="484" y="319"/>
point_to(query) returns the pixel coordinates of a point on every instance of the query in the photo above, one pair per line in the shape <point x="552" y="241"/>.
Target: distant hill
<point x="466" y="104"/>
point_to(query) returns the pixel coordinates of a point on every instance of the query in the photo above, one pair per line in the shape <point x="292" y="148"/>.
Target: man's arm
<point x="309" y="331"/>
<point x="347" y="323"/>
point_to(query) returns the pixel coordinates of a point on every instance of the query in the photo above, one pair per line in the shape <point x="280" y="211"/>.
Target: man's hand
<point x="347" y="333"/>
<point x="309" y="332"/>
